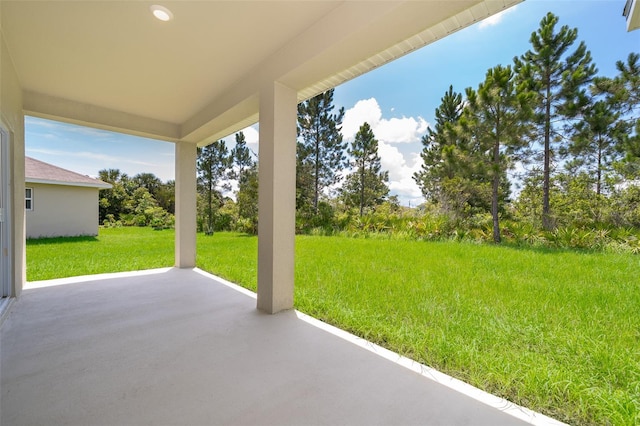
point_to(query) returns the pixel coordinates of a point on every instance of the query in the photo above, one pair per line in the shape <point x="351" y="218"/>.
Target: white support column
<point x="277" y="197"/>
<point x="185" y="249"/>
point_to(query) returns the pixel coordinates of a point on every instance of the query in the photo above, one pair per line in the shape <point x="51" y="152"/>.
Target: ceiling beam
<point x="49" y="107"/>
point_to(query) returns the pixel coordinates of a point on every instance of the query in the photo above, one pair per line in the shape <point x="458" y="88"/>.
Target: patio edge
<point x="430" y="373"/>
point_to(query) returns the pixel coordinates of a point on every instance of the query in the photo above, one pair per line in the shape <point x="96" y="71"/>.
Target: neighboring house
<point x="632" y="13"/>
<point x="59" y="202"/>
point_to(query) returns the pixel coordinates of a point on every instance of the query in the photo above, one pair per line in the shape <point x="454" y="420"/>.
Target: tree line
<point x="572" y="135"/>
<point x="541" y="146"/>
<point x="141" y="200"/>
<point x="328" y="171"/>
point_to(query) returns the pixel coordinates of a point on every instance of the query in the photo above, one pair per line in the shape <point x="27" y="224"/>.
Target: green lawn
<point x="114" y="250"/>
<point x="555" y="331"/>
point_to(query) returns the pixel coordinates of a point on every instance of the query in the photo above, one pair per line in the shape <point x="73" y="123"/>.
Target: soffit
<point x="116" y="55"/>
<point x="112" y="65"/>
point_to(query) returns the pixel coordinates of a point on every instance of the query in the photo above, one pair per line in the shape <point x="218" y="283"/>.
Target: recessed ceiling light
<point x="161" y="12"/>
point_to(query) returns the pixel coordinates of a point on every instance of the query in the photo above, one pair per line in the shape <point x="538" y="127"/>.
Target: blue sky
<point x="398" y="99"/>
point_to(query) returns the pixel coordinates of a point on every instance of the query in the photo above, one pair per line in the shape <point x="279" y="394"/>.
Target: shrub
<point x="247" y="226"/>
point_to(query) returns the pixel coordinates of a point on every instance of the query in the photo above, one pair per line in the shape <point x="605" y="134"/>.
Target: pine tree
<point x="304" y="182"/>
<point x="213" y="165"/>
<point x="247" y="198"/>
<point x="245" y="171"/>
<point x="495" y="118"/>
<point x="594" y="141"/>
<point x="241" y="156"/>
<point x="434" y="167"/>
<point x="367" y="186"/>
<point x="449" y="175"/>
<point x="631" y="148"/>
<point x="321" y="150"/>
<point x="622" y="95"/>
<point x="623" y="91"/>
<point x="558" y="77"/>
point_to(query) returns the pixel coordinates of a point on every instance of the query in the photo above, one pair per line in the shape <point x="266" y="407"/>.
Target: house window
<point x="28" y="198"/>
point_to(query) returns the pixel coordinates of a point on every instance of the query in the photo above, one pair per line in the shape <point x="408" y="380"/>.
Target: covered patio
<point x="128" y="349"/>
<point x="211" y="69"/>
<point x="179" y="346"/>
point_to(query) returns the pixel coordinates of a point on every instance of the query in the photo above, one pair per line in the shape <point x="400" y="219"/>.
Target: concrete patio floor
<point x="181" y="347"/>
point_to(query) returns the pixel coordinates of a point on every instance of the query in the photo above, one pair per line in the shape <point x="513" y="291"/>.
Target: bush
<point x="224" y="222"/>
<point x="625" y="207"/>
<point x="111" y="222"/>
<point x="160" y="218"/>
<point x="247" y="226"/>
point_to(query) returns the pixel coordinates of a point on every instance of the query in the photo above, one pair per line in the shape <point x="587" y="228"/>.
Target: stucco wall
<point x="12" y="119"/>
<point x="62" y="211"/>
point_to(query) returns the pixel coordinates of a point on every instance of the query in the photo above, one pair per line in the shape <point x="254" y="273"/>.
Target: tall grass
<point x="555" y="330"/>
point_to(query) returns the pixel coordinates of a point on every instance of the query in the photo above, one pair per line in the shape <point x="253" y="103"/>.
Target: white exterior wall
<point x="62" y="211"/>
<point x="12" y="119"/>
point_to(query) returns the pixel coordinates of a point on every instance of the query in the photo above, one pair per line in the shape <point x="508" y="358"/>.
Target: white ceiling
<point x="111" y="64"/>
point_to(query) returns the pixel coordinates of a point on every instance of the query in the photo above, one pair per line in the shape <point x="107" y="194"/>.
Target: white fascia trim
<point x="57" y="182"/>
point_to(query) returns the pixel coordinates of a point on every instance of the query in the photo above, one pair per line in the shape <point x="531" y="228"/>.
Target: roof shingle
<point x="37" y="171"/>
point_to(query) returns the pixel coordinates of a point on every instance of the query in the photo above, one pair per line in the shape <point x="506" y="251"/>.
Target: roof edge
<point x="99" y="185"/>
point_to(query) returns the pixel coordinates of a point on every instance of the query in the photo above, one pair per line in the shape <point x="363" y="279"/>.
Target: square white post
<point x="185" y="239"/>
<point x="277" y="197"/>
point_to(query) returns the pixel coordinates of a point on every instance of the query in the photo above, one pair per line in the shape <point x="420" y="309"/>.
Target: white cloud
<point x="366" y="110"/>
<point x="251" y="135"/>
<point x="401" y="172"/>
<point x="389" y="132"/>
<point x="55" y="127"/>
<point x="495" y="19"/>
<point x="393" y="130"/>
<point x="401" y="130"/>
<point x="90" y="156"/>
